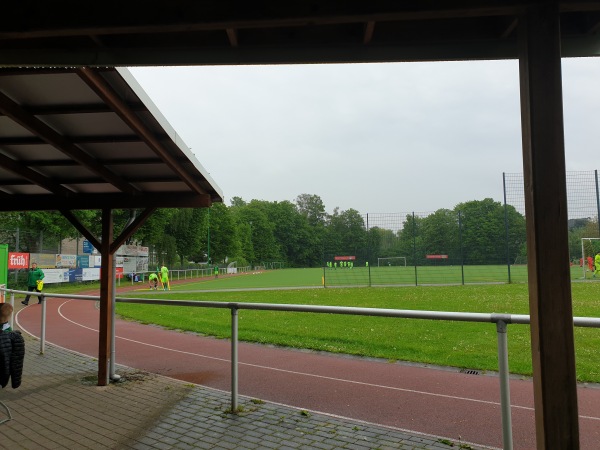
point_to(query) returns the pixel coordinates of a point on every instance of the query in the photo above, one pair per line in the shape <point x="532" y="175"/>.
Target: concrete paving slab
<point x="59" y="405"/>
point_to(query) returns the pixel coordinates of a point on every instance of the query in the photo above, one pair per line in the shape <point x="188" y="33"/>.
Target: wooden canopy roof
<point x="90" y="138"/>
<point x="181" y="32"/>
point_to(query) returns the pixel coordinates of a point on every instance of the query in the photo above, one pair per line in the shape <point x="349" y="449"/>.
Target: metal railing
<point x="501" y="320"/>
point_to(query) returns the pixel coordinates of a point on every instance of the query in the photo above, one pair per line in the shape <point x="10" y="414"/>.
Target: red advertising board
<point x="18" y="260"/>
<point x="344" y="258"/>
<point x="436" y="256"/>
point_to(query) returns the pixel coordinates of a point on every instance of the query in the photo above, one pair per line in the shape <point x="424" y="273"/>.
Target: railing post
<point x="12" y="316"/>
<point x="112" y="375"/>
<point x="234" y="359"/>
<point x="43" y="327"/>
<point x="504" y="384"/>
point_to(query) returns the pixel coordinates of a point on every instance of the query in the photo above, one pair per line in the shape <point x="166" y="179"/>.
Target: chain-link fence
<point x="481" y="241"/>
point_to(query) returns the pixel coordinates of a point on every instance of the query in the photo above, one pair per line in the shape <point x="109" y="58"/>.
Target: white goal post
<point x="592" y="253"/>
<point x="232" y="267"/>
<point x="392" y="261"/>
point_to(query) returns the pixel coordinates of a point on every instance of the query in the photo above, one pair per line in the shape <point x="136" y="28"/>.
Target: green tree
<point x="484" y="232"/>
<point x="312" y="208"/>
<point x="224" y="242"/>
<point x="186" y="226"/>
<point x="440" y="235"/>
<point x="346" y="234"/>
<point x="409" y="239"/>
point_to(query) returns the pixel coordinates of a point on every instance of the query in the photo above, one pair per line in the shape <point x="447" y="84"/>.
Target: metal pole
<point x="368" y="248"/>
<point x="462" y="260"/>
<point x="43" y="328"/>
<point x="12" y="316"/>
<point x="111" y="371"/>
<point x="583" y="263"/>
<point x="17" y="240"/>
<point x="597" y="199"/>
<point x="415" y="247"/>
<point x="506" y="226"/>
<point x="504" y="385"/>
<point x="234" y="359"/>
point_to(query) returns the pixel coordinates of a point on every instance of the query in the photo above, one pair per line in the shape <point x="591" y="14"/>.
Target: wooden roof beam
<point x="99" y="85"/>
<point x="33" y="176"/>
<point x="232" y="36"/>
<point x="11" y="109"/>
<point x="47" y="202"/>
<point x="369" y="29"/>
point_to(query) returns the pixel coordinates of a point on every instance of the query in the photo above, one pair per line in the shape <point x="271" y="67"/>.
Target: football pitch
<point x="444" y="343"/>
<point x="374" y="276"/>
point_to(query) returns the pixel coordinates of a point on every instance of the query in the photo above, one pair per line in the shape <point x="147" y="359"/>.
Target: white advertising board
<point x="90" y="274"/>
<point x="68" y="261"/>
<point x="55" y="276"/>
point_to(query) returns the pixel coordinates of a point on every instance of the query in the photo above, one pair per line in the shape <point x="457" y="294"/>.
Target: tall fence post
<point x="506" y="227"/>
<point x="460" y="244"/>
<point x="597" y="200"/>
<point x="12" y="316"/>
<point x="414" y="226"/>
<point x="234" y="359"/>
<point x="113" y="335"/>
<point x="368" y="249"/>
<point x="501" y="329"/>
<point x="43" y="326"/>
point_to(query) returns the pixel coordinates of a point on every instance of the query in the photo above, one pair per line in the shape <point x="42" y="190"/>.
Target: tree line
<point x="302" y="234"/>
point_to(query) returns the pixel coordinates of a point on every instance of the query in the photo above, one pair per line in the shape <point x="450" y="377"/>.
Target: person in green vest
<point x="597" y="264"/>
<point x="34" y="283"/>
<point x="153" y="280"/>
<point x="216" y="272"/>
<point x="164" y="276"/>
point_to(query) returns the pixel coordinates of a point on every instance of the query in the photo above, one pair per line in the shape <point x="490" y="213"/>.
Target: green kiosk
<point x="3" y="269"/>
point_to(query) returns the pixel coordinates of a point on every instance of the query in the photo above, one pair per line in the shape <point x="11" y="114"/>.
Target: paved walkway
<point x="59" y="405"/>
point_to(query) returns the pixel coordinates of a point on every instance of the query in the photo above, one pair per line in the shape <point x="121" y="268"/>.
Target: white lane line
<point x="342" y="380"/>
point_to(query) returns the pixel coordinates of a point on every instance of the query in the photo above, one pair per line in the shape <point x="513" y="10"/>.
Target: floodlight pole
<point x="597" y="199"/>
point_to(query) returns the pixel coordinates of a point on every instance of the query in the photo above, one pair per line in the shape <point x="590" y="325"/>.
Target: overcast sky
<point x="373" y="137"/>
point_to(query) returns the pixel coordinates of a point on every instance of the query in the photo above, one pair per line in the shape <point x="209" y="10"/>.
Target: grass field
<point x="359" y="276"/>
<point x="400" y="275"/>
<point x="465" y="345"/>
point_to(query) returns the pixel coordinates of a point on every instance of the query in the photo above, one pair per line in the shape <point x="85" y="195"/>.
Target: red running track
<point x="434" y="401"/>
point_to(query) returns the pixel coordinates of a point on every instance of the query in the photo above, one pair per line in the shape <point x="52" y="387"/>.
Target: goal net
<point x="392" y="261"/>
<point x="271" y="265"/>
<point x="589" y="248"/>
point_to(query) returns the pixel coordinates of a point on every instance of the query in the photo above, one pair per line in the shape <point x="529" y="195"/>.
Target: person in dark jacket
<point x="12" y="354"/>
<point x="34" y="278"/>
<point x="6" y="309"/>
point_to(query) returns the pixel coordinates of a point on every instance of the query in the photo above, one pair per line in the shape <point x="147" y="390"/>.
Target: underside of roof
<point x="84" y="138"/>
<point x="180" y="32"/>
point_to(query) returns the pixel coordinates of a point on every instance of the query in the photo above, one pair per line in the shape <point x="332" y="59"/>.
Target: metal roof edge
<point x="164" y="123"/>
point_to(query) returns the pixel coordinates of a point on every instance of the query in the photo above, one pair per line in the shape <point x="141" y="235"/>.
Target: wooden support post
<point x="552" y="341"/>
<point x="106" y="289"/>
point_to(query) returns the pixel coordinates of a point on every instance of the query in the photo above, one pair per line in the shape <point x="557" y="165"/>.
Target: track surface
<point x="434" y="401"/>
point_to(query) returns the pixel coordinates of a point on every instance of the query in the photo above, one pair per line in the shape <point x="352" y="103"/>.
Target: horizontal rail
<point x="522" y="319"/>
